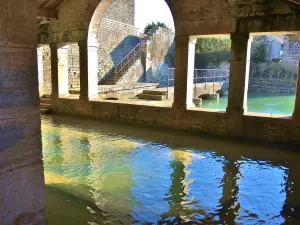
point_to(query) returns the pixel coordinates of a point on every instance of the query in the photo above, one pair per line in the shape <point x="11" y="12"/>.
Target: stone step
<point x="47" y="96"/>
<point x="155" y="92"/>
<point x="152" y="97"/>
<point x="45" y="100"/>
<point x="45" y="106"/>
<point x="45" y="111"/>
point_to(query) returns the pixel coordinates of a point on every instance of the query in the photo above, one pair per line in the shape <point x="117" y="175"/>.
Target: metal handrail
<point x="214" y="76"/>
<point x="138" y="45"/>
<point x="127" y="59"/>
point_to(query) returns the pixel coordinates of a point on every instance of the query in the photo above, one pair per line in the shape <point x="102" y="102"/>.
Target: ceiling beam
<point x="295" y="1"/>
<point x="45" y="13"/>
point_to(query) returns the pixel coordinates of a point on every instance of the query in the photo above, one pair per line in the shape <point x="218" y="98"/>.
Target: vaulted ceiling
<point x="47" y="8"/>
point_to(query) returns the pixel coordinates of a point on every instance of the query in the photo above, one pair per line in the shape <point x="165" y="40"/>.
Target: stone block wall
<point x="74" y="69"/>
<point x="291" y="53"/>
<point x="273" y="85"/>
<point x="134" y="74"/>
<point x="116" y="40"/>
<point x="160" y="56"/>
<point x="122" y="11"/>
<point x="44" y="69"/>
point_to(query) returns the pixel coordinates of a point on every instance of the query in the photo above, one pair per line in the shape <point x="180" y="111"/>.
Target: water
<point x="111" y="173"/>
<point x="260" y="102"/>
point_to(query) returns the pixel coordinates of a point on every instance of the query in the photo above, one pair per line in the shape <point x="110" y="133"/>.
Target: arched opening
<point x="123" y="60"/>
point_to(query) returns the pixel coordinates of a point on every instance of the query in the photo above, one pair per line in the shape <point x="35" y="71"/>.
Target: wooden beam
<point x="45" y="13"/>
<point x="295" y="1"/>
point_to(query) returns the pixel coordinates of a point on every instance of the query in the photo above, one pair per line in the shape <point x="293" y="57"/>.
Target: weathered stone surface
<point x="22" y="195"/>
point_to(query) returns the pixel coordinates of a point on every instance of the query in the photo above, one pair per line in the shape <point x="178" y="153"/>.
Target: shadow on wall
<point x="119" y="53"/>
<point x="158" y="71"/>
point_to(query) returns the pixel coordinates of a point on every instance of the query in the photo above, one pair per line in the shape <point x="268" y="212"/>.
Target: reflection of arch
<point x="97" y="12"/>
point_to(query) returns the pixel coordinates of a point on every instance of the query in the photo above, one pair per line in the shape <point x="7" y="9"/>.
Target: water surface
<point x="259" y="102"/>
<point x="111" y="173"/>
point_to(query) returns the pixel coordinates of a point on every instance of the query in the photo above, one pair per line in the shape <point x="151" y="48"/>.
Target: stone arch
<point x="97" y="12"/>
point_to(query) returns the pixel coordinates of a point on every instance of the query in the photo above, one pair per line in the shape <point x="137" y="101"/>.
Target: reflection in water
<point x="99" y="173"/>
<point x="229" y="202"/>
<point x="259" y="102"/>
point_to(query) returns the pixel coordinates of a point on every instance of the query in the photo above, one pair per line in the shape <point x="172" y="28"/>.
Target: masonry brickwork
<point x="160" y="56"/>
<point x="116" y="40"/>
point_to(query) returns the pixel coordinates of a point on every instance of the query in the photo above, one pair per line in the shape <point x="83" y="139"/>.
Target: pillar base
<point x="296" y="118"/>
<point x="237" y="111"/>
<point x="54" y="96"/>
<point x="83" y="97"/>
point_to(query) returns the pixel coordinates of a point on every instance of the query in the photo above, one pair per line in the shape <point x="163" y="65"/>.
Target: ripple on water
<point x="100" y="174"/>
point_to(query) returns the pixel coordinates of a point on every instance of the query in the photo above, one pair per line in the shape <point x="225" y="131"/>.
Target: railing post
<point x="214" y="81"/>
<point x="196" y="80"/>
<point x="205" y="79"/>
<point x="168" y="83"/>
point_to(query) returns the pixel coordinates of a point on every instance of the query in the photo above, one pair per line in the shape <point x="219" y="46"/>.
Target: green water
<point x="111" y="173"/>
<point x="260" y="102"/>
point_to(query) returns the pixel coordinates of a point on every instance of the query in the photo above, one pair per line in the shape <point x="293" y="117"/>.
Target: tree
<point x="212" y="52"/>
<point x="152" y="25"/>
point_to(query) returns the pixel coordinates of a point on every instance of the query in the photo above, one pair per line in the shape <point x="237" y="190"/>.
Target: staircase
<point x="45" y="104"/>
<point x="123" y="67"/>
<point x="154" y="95"/>
<point x="116" y="73"/>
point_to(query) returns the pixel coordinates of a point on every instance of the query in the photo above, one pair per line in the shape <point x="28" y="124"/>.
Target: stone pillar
<point x="184" y="72"/>
<point x="296" y="114"/>
<point x="40" y="51"/>
<point x="22" y="188"/>
<point x="238" y="82"/>
<point x="54" y="71"/>
<point x="63" y="70"/>
<point x="83" y="67"/>
<point x="88" y="78"/>
<point x="239" y="73"/>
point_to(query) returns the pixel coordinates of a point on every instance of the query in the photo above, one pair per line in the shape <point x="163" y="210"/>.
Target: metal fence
<point x="204" y="76"/>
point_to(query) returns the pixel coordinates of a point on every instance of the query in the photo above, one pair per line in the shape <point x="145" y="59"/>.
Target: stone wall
<point x="273" y="85"/>
<point x="254" y="126"/>
<point x="116" y="40"/>
<point x="160" y="56"/>
<point x="44" y="69"/>
<point x="134" y="74"/>
<point x="74" y="69"/>
<point x="122" y="11"/>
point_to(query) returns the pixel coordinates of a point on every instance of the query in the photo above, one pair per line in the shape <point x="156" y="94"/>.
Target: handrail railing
<point x="127" y="59"/>
<point x="206" y="77"/>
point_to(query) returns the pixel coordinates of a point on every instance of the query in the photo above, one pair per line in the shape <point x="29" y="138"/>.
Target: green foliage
<point x="212" y="52"/>
<point x="260" y="49"/>
<point x="273" y="70"/>
<point x="152" y="25"/>
<point x="262" y="67"/>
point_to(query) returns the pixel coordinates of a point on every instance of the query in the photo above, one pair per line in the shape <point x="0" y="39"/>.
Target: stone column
<point x="239" y="73"/>
<point x="184" y="72"/>
<point x="22" y="188"/>
<point x="88" y="77"/>
<point x="54" y="71"/>
<point x="40" y="51"/>
<point x="296" y="114"/>
<point x="83" y="67"/>
<point x="63" y="70"/>
<point x="238" y="82"/>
